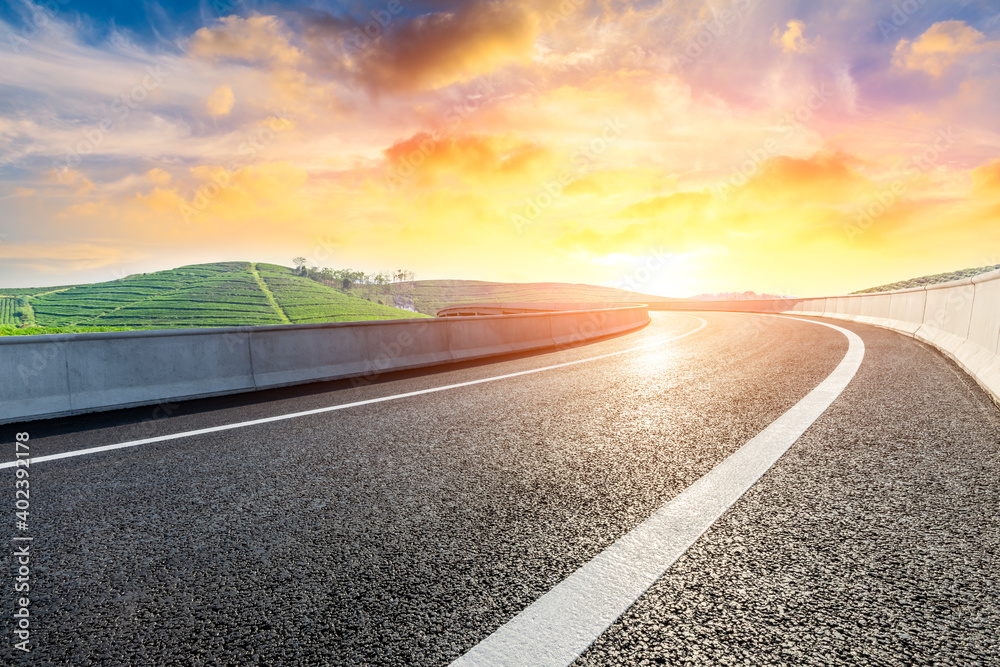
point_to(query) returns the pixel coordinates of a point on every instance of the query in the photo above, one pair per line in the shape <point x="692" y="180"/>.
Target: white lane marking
<point x="344" y="406"/>
<point x="559" y="626"/>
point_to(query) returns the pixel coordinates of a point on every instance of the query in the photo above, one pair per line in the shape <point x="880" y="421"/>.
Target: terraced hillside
<point x="304" y="300"/>
<point x="8" y="310"/>
<point x="201" y="295"/>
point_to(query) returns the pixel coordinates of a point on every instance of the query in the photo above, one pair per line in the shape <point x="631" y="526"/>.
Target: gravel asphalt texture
<point x="406" y="531"/>
<point x="874" y="541"/>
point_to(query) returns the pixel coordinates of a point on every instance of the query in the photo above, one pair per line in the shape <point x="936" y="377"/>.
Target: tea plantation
<point x="202" y="295"/>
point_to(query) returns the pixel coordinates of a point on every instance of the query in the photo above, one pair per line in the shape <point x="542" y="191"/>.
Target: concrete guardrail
<point x="960" y="318"/>
<point x="64" y="374"/>
<point x="479" y="309"/>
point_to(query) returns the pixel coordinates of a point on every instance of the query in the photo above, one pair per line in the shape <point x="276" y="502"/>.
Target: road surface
<point x="412" y="526"/>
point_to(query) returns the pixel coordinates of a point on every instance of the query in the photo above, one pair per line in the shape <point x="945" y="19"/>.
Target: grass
<point x="8" y="310"/>
<point x="304" y="300"/>
<point x="35" y="331"/>
<point x="930" y="280"/>
<point x="268" y="294"/>
<point x="201" y="295"/>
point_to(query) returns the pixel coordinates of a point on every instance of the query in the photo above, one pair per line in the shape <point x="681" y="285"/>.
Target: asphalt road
<point x="408" y="531"/>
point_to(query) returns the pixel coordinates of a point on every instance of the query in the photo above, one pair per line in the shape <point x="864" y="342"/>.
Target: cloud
<point x="54" y="257"/>
<point x="161" y="200"/>
<point x="613" y="182"/>
<point x="792" y="40"/>
<point x="158" y="176"/>
<point x="480" y="159"/>
<point x="256" y="39"/>
<point x="684" y="203"/>
<point x="436" y="50"/>
<point x="72" y="178"/>
<point x="986" y="179"/>
<point x="268" y="194"/>
<point x="940" y="47"/>
<point x="220" y="102"/>
<point x="820" y="178"/>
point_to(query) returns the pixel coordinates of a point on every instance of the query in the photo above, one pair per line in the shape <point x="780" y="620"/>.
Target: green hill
<point x="930" y="280"/>
<point x="202" y="295"/>
<point x="430" y="296"/>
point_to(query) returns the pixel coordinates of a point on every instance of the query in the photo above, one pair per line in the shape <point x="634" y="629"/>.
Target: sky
<point x="789" y="147"/>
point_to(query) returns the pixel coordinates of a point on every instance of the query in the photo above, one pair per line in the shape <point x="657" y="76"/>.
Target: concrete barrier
<point x="521" y="307"/>
<point x="125" y="369"/>
<point x="282" y="357"/>
<point x="474" y="338"/>
<point x="33" y="376"/>
<point x="49" y="376"/>
<point x="906" y="310"/>
<point x="947" y="314"/>
<point x="959" y="318"/>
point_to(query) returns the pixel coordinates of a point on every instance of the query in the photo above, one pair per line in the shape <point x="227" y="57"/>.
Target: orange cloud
<point x="986" y="179"/>
<point x="940" y="47"/>
<point x="436" y="50"/>
<point x="220" y="102"/>
<point x="161" y="200"/>
<point x="686" y="203"/>
<point x="792" y="40"/>
<point x="467" y="158"/>
<point x="822" y="177"/>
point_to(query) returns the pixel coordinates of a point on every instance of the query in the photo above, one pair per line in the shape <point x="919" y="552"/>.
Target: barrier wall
<point x="961" y="318"/>
<point x="470" y="309"/>
<point x="64" y="374"/>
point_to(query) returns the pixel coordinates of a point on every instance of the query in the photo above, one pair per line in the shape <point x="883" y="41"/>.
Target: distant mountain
<point x="430" y="296"/>
<point x="735" y="296"/>
<point x="249" y="294"/>
<point x="930" y="280"/>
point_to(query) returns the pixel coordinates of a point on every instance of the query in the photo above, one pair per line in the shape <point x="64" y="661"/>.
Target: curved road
<point x="410" y="530"/>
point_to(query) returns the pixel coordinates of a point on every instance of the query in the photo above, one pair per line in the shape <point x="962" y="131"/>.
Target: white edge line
<point x="559" y="626"/>
<point x="344" y="406"/>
